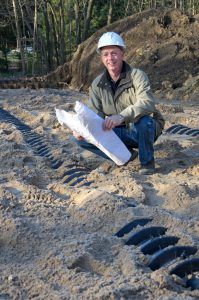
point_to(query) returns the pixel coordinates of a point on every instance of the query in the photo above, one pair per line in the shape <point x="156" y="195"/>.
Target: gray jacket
<point x="133" y="97"/>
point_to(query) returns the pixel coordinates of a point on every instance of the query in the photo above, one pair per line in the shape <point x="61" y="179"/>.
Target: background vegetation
<point x="36" y="36"/>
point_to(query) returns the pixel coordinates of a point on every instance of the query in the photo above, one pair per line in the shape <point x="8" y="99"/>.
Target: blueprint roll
<point x="89" y="125"/>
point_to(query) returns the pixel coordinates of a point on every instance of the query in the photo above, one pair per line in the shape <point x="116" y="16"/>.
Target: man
<point x="123" y="97"/>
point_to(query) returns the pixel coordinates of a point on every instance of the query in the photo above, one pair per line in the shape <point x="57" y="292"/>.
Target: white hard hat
<point x="110" y="39"/>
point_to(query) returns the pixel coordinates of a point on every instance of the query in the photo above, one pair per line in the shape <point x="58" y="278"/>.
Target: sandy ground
<point x="57" y="241"/>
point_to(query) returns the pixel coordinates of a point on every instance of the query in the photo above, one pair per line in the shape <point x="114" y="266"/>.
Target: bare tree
<point x="28" y="13"/>
<point x="87" y="19"/>
<point x="192" y="6"/>
<point x="34" y="37"/>
<point x="69" y="12"/>
<point x="62" y="31"/>
<point x="77" y="22"/>
<point x="55" y="34"/>
<point x="127" y="8"/>
<point x="110" y="12"/>
<point x="49" y="45"/>
<point x="140" y="4"/>
<point x="18" y="31"/>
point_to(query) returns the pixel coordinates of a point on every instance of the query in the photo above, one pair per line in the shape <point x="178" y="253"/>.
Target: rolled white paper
<point x="89" y="125"/>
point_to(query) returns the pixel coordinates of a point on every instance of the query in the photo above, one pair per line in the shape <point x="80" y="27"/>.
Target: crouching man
<point x="122" y="96"/>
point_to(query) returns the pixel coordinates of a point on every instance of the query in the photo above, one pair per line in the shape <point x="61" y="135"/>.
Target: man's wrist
<point x="121" y="118"/>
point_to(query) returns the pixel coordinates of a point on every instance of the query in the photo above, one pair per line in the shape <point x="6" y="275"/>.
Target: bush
<point x="3" y="65"/>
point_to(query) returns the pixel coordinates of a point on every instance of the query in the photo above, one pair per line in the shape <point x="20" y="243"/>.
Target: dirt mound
<point x="164" y="44"/>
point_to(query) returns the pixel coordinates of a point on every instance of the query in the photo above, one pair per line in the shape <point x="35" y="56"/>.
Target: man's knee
<point x="145" y="123"/>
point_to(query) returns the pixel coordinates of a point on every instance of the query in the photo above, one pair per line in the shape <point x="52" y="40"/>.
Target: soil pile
<point x="164" y="44"/>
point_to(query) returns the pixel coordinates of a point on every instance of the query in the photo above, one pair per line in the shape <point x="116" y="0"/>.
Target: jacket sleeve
<point x="94" y="102"/>
<point x="144" y="100"/>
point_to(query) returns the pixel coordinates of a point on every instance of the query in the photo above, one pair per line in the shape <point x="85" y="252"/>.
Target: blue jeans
<point x="140" y="134"/>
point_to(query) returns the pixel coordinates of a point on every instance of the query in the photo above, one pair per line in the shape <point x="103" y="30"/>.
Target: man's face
<point x="112" y="57"/>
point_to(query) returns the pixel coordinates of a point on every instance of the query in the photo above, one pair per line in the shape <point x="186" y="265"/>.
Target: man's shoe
<point x="134" y="154"/>
<point x="148" y="169"/>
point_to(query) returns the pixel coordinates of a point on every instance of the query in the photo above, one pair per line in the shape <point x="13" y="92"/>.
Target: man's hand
<point x="77" y="136"/>
<point x="112" y="121"/>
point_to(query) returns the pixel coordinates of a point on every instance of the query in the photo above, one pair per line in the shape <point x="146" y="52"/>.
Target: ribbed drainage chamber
<point x="72" y="176"/>
<point x="181" y="130"/>
<point x="162" y="250"/>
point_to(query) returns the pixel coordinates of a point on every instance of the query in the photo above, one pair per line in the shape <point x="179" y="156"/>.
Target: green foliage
<point x="3" y="64"/>
<point x="100" y="12"/>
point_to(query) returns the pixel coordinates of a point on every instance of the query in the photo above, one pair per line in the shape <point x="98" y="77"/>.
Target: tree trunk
<point x="192" y="10"/>
<point x="48" y="41"/>
<point x="110" y="12"/>
<point x="18" y="31"/>
<point x="34" y="38"/>
<point x="126" y="8"/>
<point x="88" y="19"/>
<point x="77" y="22"/>
<point x="62" y="33"/>
<point x="55" y="36"/>
<point x="28" y="19"/>
<point x="23" y="19"/>
<point x="69" y="29"/>
<point x="140" y="4"/>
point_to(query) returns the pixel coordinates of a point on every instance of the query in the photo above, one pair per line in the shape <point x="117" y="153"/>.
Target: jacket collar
<point x="125" y="79"/>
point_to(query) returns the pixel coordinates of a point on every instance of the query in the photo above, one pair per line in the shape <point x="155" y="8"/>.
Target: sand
<point x="57" y="241"/>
